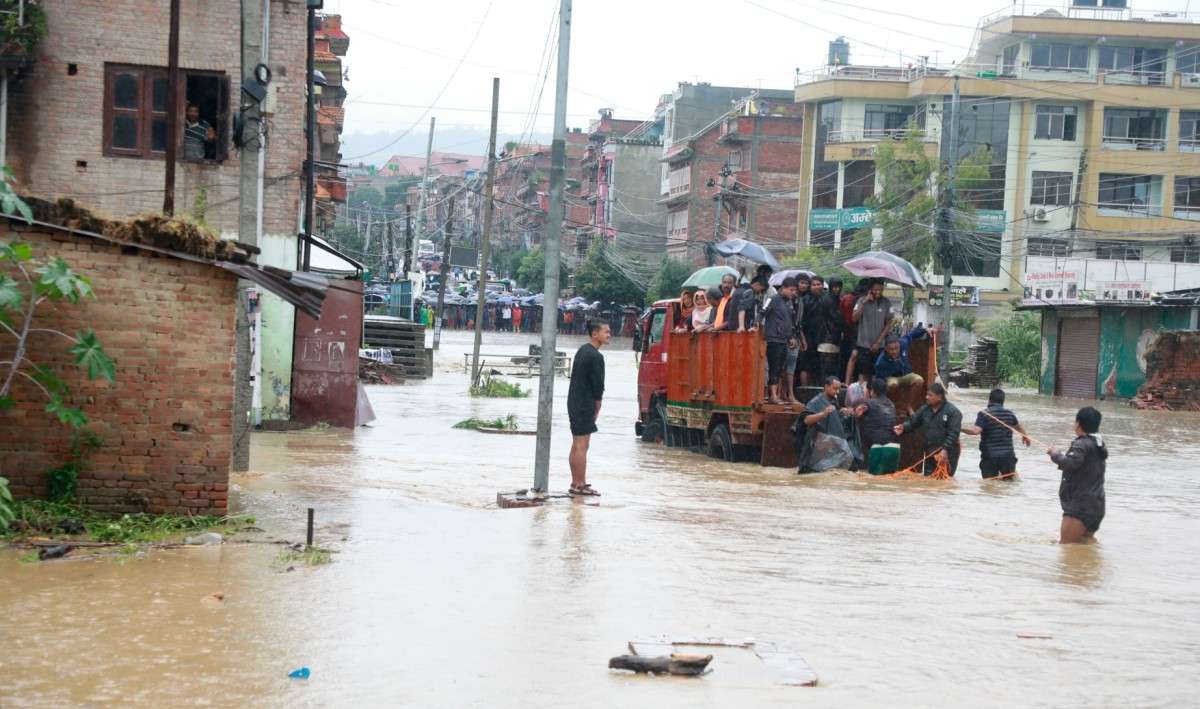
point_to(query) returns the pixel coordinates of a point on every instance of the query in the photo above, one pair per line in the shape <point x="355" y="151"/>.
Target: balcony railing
<point x="870" y="73"/>
<point x="857" y="135"/>
<point x="1124" y="209"/>
<point x="1192" y="213"/>
<point x="1189" y="145"/>
<point x="1113" y="142"/>
<point x="1022" y="9"/>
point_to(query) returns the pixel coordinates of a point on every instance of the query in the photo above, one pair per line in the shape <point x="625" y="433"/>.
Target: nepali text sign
<point x="856" y="217"/>
<point x="823" y="219"/>
<point x="1123" y="291"/>
<point x="991" y="221"/>
<point x="1057" y="286"/>
<point x="959" y="295"/>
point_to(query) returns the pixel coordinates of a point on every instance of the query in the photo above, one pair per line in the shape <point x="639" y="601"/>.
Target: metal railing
<point x="870" y="73"/>
<point x="855" y="135"/>
<point x="1125" y="209"/>
<point x="1023" y="9"/>
<point x="1112" y="142"/>
<point x="1191" y="213"/>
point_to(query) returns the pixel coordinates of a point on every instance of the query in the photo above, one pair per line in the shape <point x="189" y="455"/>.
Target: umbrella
<point x="710" y="277"/>
<point x="881" y="264"/>
<point x="746" y="249"/>
<point x="778" y="276"/>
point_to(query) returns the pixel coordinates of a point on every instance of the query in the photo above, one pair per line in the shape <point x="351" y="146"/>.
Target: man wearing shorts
<point x="1082" y="489"/>
<point x="583" y="403"/>
<point x="779" y="328"/>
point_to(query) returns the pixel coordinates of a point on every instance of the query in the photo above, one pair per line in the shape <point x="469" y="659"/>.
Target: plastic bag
<point x="829" y="452"/>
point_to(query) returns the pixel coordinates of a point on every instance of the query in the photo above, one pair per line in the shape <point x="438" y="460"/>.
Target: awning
<point x="305" y="291"/>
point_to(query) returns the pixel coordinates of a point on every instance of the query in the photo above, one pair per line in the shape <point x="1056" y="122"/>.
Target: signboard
<point x="1123" y="291"/>
<point x="856" y="217"/>
<point x="1054" y="287"/>
<point x="464" y="257"/>
<point x="823" y="219"/>
<point x="991" y="221"/>
<point x="967" y="296"/>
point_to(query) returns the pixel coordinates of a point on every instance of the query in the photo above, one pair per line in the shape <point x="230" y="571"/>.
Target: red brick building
<point x="759" y="145"/>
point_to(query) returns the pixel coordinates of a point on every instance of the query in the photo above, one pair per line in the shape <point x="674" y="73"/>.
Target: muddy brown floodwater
<point x="897" y="593"/>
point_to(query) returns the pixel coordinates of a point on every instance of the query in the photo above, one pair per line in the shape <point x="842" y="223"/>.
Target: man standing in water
<point x="1081" y="492"/>
<point x="942" y="422"/>
<point x="995" y="425"/>
<point x="583" y="403"/>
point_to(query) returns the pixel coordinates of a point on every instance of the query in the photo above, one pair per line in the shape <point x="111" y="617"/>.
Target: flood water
<point x="896" y="593"/>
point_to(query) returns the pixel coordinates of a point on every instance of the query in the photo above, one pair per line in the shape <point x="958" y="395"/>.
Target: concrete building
<point x="87" y="120"/>
<point x="1090" y="114"/>
<point x="620" y="183"/>
<point x="745" y="162"/>
<point x="331" y="45"/>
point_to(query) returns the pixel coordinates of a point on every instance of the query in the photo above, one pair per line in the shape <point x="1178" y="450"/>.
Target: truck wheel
<point x="653" y="428"/>
<point x="720" y="443"/>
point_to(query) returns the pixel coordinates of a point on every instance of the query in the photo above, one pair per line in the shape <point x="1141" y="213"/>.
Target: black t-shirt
<point x="587" y="381"/>
<point x="996" y="441"/>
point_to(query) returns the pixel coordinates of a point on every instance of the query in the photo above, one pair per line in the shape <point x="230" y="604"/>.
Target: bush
<point x="494" y="388"/>
<point x="508" y="423"/>
<point x="1019" y="344"/>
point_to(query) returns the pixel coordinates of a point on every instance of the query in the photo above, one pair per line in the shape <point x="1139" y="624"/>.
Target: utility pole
<point x="710" y="252"/>
<point x="367" y="243"/>
<point x="445" y="271"/>
<point x="946" y="231"/>
<point x="424" y="189"/>
<point x="410" y="263"/>
<point x="1075" y="202"/>
<point x="485" y="247"/>
<point x="558" y="164"/>
<point x="248" y="212"/>
<point x="172" y="110"/>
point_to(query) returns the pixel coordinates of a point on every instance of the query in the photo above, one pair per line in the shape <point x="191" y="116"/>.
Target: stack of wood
<point x="374" y="372"/>
<point x="405" y="339"/>
<point x="981" y="363"/>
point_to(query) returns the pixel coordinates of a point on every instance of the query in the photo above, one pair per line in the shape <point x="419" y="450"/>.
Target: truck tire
<point x="652" y="429"/>
<point x="720" y="443"/>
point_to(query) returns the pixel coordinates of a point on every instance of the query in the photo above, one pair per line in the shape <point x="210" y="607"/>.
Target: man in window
<point x="198" y="136"/>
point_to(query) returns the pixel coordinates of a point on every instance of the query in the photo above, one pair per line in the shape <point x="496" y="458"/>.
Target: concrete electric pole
<point x="946" y="234"/>
<point x="420" y="231"/>
<point x="485" y="246"/>
<point x="554" y="222"/>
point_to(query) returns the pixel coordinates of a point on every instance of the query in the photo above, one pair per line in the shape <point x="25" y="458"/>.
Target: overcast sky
<point x="405" y="54"/>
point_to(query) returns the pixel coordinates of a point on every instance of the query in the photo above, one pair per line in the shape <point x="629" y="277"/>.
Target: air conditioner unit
<point x="1191" y="80"/>
<point x="1040" y="216"/>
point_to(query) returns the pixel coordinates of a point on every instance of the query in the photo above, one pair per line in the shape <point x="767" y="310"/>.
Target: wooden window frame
<point x="146" y="113"/>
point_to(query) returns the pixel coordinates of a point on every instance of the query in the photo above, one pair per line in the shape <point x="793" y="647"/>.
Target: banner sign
<point x="991" y="221"/>
<point x="823" y="219"/>
<point x="959" y="295"/>
<point x="1123" y="291"/>
<point x="1051" y="287"/>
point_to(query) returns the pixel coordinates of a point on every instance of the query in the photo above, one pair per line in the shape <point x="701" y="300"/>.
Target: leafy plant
<point x="52" y="280"/>
<point x="597" y="279"/>
<point x="65" y="478"/>
<point x="7" y="514"/>
<point x="494" y="388"/>
<point x="964" y="322"/>
<point x="668" y="281"/>
<point x="1019" y="347"/>
<point x="308" y="556"/>
<point x="11" y="203"/>
<point x="508" y="423"/>
<point x="17" y="38"/>
<point x="42" y="518"/>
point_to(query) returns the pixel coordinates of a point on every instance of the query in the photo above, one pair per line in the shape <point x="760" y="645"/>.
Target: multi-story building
<point x="620" y="183"/>
<point x="87" y="120"/>
<point x="330" y="45"/>
<point x="1091" y="115"/>
<point x="736" y="176"/>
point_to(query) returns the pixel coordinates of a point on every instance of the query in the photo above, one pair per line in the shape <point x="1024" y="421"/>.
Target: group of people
<point x="813" y="330"/>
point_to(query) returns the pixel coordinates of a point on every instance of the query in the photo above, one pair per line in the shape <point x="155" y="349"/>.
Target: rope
<point x="1019" y="433"/>
<point x="941" y="472"/>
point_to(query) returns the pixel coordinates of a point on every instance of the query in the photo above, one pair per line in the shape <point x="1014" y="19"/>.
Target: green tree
<point x="668" y="280"/>
<point x="394" y="192"/>
<point x="365" y="194"/>
<point x="531" y="273"/>
<point x="505" y="260"/>
<point x="1018" y="338"/>
<point x="597" y="279"/>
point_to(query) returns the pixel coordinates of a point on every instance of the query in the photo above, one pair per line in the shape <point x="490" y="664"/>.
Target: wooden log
<point x="684" y="665"/>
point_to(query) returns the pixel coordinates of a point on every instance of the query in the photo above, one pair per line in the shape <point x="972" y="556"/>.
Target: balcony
<point x="1135" y="129"/>
<point x="1116" y="142"/>
<point x="1065" y="10"/>
<point x="870" y="73"/>
<point x="1190" y="213"/>
<point x="868" y="135"/>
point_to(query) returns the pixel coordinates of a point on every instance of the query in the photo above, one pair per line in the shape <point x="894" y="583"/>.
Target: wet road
<point x="897" y="593"/>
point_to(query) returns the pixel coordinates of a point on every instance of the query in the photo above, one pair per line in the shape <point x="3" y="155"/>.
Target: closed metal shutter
<point x="1078" y="357"/>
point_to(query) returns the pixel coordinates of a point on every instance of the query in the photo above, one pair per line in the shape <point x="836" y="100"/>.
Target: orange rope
<point x="941" y="472"/>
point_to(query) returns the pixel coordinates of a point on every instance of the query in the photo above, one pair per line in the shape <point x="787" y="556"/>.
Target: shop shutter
<point x="1078" y="357"/>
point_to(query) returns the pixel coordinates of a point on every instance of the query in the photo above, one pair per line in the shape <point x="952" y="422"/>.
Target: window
<point x="859" y="183"/>
<point x="1189" y="131"/>
<point x="735" y="160"/>
<point x="1008" y="60"/>
<point x="1187" y="60"/>
<point x="657" y="323"/>
<point x="680" y="180"/>
<point x="1055" y="123"/>
<point x="980" y="257"/>
<point x="1187" y="197"/>
<point x="1047" y="246"/>
<point x="882" y="119"/>
<point x="1059" y="57"/>
<point x="1051" y="189"/>
<point x="821" y="240"/>
<point x="1125" y="195"/>
<point x="1134" y="128"/>
<point x="1118" y="251"/>
<point x="135" y="110"/>
<point x="677" y="223"/>
<point x="1150" y="64"/>
<point x="1185" y="251"/>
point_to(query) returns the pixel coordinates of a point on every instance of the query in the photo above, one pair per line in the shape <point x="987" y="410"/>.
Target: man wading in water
<point x="1082" y="489"/>
<point x="583" y="403"/>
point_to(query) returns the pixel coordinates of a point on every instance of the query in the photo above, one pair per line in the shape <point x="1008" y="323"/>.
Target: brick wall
<point x="56" y="119"/>
<point x="166" y="422"/>
<point x="1172" y="373"/>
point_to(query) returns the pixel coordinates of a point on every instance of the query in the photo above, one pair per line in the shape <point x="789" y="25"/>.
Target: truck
<point x="706" y="391"/>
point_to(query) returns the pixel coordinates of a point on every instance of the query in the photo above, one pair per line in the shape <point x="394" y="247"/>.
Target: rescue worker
<point x="994" y="426"/>
<point x="942" y="423"/>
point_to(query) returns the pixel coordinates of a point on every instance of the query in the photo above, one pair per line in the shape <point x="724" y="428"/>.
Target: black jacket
<point x="941" y="428"/>
<point x="1082" y="489"/>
